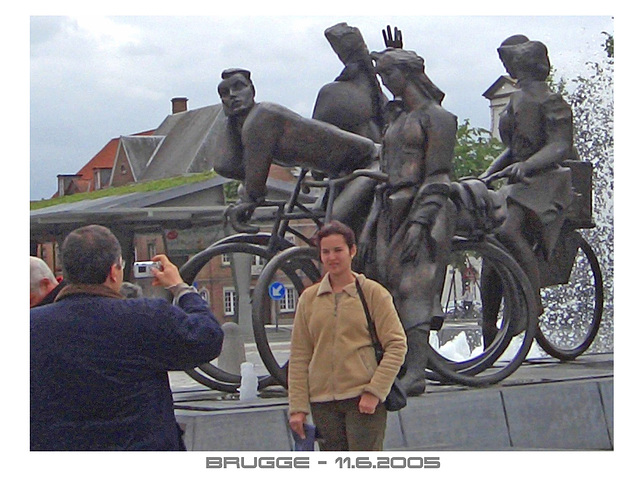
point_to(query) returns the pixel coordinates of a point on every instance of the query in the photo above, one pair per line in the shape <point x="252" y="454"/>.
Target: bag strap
<point x="372" y="329"/>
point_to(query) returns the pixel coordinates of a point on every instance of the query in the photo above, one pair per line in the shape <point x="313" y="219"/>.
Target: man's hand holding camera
<point x="168" y="275"/>
<point x="164" y="273"/>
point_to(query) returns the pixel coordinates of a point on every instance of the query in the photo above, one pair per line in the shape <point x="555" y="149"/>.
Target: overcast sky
<point x="95" y="78"/>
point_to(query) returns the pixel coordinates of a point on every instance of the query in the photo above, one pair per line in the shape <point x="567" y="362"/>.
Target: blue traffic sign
<point x="277" y="291"/>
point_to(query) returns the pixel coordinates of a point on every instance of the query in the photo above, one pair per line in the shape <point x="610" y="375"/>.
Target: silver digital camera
<point x="143" y="269"/>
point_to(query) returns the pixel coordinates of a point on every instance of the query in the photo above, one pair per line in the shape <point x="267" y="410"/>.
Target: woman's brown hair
<point x="335" y="227"/>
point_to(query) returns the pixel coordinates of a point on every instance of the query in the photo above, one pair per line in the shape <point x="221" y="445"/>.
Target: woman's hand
<point x="296" y="422"/>
<point x="517" y="172"/>
<point x="368" y="403"/>
<point x="412" y="244"/>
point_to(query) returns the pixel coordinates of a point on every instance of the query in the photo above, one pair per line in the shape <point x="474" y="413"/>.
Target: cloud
<point x="96" y="78"/>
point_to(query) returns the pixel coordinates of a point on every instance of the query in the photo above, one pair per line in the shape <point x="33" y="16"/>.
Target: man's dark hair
<point x="88" y="254"/>
<point x="335" y="227"/>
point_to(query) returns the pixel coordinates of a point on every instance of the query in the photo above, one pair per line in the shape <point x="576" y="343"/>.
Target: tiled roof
<point x="189" y="143"/>
<point x="140" y="150"/>
<point x="184" y="143"/>
<point x="103" y="159"/>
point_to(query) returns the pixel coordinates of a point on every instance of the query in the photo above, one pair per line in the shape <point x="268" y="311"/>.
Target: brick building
<point x="179" y="220"/>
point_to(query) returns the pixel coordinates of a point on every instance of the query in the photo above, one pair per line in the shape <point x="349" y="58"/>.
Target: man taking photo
<point x="99" y="362"/>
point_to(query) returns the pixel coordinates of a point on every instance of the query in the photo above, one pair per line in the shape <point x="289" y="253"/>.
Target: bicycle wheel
<point x="225" y="274"/>
<point x="210" y="382"/>
<point x="573" y="310"/>
<point x="284" y="278"/>
<point x="458" y="353"/>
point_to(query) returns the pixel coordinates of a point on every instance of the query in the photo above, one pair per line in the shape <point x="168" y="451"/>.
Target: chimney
<point x="179" y="104"/>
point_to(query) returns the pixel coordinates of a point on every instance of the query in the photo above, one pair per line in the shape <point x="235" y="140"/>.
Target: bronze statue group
<point x="404" y="227"/>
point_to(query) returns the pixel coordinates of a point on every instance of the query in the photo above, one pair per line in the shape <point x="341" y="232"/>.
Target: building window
<point x="101" y="178"/>
<point x="288" y="303"/>
<point x="230" y="301"/>
<point x="204" y="293"/>
<point x="257" y="263"/>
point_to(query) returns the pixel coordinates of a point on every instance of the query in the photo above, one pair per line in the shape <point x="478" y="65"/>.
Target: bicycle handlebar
<point x="239" y="214"/>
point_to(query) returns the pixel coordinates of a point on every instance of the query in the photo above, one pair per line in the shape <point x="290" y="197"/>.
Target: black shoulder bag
<point x="397" y="398"/>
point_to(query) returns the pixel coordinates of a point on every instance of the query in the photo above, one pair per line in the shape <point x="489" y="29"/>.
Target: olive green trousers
<point x="341" y="426"/>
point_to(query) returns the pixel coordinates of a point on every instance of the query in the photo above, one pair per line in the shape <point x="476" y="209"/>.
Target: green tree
<point x="474" y="151"/>
<point x="231" y="191"/>
<point x="608" y="44"/>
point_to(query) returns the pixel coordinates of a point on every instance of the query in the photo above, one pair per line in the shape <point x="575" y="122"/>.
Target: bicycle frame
<point x="293" y="209"/>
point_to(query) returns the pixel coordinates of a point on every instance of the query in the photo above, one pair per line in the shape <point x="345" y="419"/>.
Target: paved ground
<point x="545" y="404"/>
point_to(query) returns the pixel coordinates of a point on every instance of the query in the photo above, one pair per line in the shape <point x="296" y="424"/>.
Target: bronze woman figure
<point x="537" y="129"/>
<point x="411" y="224"/>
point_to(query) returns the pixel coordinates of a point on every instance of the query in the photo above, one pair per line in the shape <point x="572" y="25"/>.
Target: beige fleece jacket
<point x="332" y="357"/>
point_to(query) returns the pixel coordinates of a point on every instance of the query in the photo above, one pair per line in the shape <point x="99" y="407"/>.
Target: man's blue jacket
<point x="99" y="370"/>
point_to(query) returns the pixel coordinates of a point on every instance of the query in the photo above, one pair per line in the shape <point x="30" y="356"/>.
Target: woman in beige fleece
<point x="333" y="373"/>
